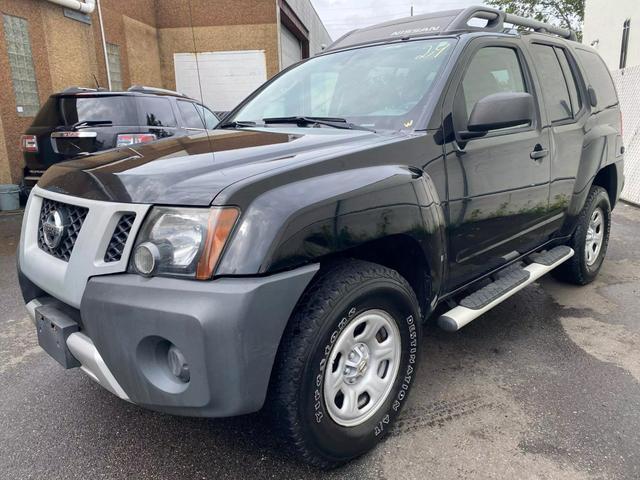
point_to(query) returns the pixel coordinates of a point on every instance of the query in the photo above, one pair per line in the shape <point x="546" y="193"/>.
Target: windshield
<point x="380" y="86"/>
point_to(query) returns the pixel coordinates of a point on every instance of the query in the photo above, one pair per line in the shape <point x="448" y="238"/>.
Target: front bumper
<point x="228" y="329"/>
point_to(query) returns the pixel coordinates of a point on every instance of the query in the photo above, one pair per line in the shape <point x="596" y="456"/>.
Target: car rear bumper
<point x="228" y="330"/>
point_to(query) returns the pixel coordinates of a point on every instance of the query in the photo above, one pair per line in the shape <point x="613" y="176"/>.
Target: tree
<point x="562" y="13"/>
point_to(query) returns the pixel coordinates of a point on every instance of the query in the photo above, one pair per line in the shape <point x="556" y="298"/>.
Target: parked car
<point x="79" y="121"/>
<point x="421" y="169"/>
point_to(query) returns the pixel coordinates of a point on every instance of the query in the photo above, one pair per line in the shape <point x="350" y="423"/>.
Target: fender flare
<point x="309" y="220"/>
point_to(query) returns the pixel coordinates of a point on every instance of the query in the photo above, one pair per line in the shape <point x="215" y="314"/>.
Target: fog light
<point x="178" y="364"/>
<point x="145" y="258"/>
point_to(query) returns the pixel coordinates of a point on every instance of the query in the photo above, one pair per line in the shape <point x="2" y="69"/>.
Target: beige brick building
<point x="45" y="48"/>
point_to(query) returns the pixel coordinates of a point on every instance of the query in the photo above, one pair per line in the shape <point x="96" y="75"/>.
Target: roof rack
<point x="446" y="22"/>
<point x="497" y="18"/>
<point x="154" y="90"/>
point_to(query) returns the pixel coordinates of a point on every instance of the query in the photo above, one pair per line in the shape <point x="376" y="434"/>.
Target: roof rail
<point x="494" y="18"/>
<point x="497" y="18"/>
<point x="154" y="90"/>
<point x="540" y="27"/>
<point x="437" y="23"/>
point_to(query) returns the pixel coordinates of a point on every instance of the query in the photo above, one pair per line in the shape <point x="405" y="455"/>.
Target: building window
<point x="625" y="43"/>
<point x="113" y="54"/>
<point x="23" y="75"/>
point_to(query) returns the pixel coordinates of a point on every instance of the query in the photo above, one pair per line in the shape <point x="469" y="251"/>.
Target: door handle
<point x="539" y="152"/>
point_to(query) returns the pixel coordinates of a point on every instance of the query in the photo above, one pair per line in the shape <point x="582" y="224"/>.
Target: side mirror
<point x="499" y="110"/>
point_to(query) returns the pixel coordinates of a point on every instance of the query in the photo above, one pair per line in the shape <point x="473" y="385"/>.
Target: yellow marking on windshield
<point x="434" y="51"/>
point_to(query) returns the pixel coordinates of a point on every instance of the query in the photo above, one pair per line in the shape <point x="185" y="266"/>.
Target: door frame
<point x="462" y="65"/>
<point x="454" y="144"/>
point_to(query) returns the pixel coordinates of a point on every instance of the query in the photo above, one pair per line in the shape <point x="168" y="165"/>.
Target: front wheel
<point x="347" y="361"/>
<point x="589" y="241"/>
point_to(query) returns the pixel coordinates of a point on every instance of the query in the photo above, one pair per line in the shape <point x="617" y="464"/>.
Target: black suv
<point x="79" y="121"/>
<point x="418" y="169"/>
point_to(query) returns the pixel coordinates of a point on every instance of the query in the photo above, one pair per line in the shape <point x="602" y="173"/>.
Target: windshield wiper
<point x="237" y="124"/>
<point x="90" y="123"/>
<point x="328" y="121"/>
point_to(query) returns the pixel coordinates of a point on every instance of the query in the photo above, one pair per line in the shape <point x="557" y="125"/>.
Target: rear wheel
<point x="347" y="362"/>
<point x="589" y="241"/>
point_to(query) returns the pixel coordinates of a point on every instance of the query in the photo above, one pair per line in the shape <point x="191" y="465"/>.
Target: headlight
<point x="185" y="242"/>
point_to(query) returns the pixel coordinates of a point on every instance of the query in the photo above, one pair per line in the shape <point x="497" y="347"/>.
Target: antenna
<point x="95" y="79"/>
<point x="195" y="53"/>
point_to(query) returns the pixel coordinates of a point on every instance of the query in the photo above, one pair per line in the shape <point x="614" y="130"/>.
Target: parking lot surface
<point x="545" y="386"/>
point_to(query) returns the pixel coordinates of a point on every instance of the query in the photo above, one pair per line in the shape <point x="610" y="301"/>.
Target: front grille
<point x="119" y="238"/>
<point x="74" y="218"/>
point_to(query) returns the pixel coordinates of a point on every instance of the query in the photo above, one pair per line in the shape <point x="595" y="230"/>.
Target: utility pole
<point x="412" y="10"/>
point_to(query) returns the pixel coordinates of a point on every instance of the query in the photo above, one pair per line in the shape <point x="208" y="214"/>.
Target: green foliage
<point x="562" y="13"/>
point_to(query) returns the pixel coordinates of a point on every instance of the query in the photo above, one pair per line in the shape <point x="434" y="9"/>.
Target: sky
<point x="341" y="16"/>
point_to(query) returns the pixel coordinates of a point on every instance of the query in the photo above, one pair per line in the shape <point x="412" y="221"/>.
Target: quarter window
<point x="210" y="120"/>
<point x="599" y="78"/>
<point x="554" y="84"/>
<point x="156" y="112"/>
<point x="492" y="70"/>
<point x="190" y="115"/>
<point x="23" y="75"/>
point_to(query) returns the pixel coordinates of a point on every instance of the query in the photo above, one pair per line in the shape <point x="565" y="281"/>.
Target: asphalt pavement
<point x="545" y="386"/>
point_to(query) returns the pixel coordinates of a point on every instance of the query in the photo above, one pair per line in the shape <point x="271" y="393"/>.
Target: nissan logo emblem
<point x="54" y="228"/>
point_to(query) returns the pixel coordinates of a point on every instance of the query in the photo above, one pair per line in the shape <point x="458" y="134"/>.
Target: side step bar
<point x="508" y="283"/>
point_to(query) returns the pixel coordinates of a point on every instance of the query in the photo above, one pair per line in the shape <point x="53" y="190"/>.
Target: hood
<point x="191" y="170"/>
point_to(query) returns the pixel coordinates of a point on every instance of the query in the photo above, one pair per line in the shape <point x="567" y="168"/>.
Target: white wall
<point x="226" y="78"/>
<point x="603" y="21"/>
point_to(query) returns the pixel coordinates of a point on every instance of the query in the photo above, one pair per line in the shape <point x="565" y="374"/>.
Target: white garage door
<point x="226" y="77"/>
<point x="290" y="47"/>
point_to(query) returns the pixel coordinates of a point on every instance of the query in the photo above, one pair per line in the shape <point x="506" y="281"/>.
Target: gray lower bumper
<point x="229" y="331"/>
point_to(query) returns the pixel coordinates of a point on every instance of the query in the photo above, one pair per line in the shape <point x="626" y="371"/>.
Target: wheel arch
<point x="607" y="178"/>
<point x="402" y="253"/>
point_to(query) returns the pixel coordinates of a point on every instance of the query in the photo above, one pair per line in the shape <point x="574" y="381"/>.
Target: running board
<point x="507" y="284"/>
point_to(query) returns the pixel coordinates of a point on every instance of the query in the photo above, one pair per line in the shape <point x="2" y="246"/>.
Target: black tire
<point x="576" y="270"/>
<point x="337" y="296"/>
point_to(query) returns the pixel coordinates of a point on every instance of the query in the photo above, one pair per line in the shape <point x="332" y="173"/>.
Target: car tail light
<point x="127" y="139"/>
<point x="29" y="143"/>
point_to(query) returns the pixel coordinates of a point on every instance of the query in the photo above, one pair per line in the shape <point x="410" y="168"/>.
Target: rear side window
<point x="572" y="80"/>
<point x="59" y="111"/>
<point x="492" y="70"/>
<point x="156" y="112"/>
<point x="190" y="115"/>
<point x="599" y="78"/>
<point x="554" y="85"/>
